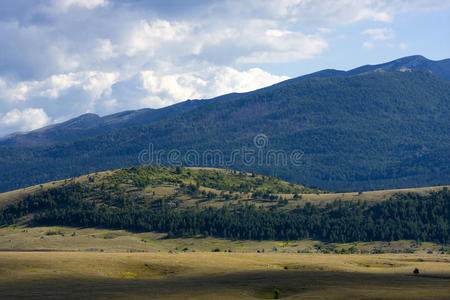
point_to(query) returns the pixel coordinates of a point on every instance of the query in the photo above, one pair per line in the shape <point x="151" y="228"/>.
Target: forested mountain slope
<point x="371" y="131"/>
<point x="89" y="125"/>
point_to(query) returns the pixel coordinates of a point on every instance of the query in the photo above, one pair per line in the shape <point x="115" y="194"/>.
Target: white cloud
<point x="379" y="33"/>
<point x="174" y="86"/>
<point x="14" y="92"/>
<point x="28" y="119"/>
<point x="332" y="12"/>
<point x="370" y="14"/>
<point x="98" y="83"/>
<point x="323" y="13"/>
<point x="284" y="46"/>
<point x="68" y="94"/>
<point x="378" y="36"/>
<point x="73" y="56"/>
<point x="230" y="80"/>
<point x="162" y="90"/>
<point x="53" y="86"/>
<point x="64" y="5"/>
<point x="95" y="83"/>
<point x="105" y="49"/>
<point x="149" y="36"/>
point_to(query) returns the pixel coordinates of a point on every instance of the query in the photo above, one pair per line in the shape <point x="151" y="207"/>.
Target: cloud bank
<point x="62" y="58"/>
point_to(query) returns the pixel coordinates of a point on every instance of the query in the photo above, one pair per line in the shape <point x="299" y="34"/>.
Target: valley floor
<point x="69" y="263"/>
<point x="201" y="275"/>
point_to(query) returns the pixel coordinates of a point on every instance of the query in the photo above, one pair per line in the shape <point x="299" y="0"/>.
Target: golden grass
<point x="17" y="238"/>
<point x="204" y="275"/>
<point x="374" y="196"/>
<point x="98" y="264"/>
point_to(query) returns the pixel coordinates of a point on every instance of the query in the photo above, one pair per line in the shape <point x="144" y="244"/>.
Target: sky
<point x="63" y="58"/>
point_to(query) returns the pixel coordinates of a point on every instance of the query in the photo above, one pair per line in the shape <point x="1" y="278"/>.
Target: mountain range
<point x="92" y="125"/>
<point x="373" y="127"/>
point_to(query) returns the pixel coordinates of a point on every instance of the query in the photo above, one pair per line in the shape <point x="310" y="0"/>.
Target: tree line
<point x="404" y="216"/>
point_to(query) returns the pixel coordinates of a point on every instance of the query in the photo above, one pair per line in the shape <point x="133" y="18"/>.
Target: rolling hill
<point x="222" y="203"/>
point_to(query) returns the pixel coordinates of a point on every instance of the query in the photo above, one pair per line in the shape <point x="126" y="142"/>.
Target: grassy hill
<point x="189" y="202"/>
<point x="224" y="185"/>
<point x="187" y="187"/>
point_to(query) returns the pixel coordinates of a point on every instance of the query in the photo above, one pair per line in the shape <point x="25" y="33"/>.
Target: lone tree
<point x="416" y="271"/>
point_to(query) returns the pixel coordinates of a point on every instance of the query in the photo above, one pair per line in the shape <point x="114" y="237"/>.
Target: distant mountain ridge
<point x="440" y="68"/>
<point x="89" y="125"/>
<point x="374" y="130"/>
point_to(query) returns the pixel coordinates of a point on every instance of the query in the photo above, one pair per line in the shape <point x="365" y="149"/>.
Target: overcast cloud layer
<point x="63" y="58"/>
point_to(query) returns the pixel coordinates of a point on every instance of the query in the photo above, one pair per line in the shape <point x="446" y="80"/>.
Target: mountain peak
<point x="83" y="120"/>
<point x="407" y="62"/>
<point x="410" y="58"/>
<point x="414" y="62"/>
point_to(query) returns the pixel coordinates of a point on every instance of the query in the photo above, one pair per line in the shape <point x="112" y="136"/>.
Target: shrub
<point x="53" y="233"/>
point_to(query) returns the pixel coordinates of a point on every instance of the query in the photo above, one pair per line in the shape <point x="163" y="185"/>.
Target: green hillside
<point x="199" y="203"/>
<point x="378" y="130"/>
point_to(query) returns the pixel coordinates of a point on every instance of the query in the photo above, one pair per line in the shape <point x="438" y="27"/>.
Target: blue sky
<point x="63" y="58"/>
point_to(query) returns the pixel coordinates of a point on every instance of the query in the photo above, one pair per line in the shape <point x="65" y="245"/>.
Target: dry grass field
<point x="92" y="263"/>
<point x="73" y="263"/>
<point x="58" y="238"/>
<point x="202" y="275"/>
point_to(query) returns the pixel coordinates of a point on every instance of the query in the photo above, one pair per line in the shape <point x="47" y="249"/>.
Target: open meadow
<point x="74" y="263"/>
<point x="202" y="275"/>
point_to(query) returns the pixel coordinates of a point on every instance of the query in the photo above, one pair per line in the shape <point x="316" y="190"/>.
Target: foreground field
<point x="201" y="275"/>
<point x="76" y="263"/>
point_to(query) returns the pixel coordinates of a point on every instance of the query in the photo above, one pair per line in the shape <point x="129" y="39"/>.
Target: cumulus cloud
<point x="14" y="92"/>
<point x="95" y="83"/>
<point x="64" y="5"/>
<point x="211" y="82"/>
<point x="28" y="119"/>
<point x="150" y="36"/>
<point x="68" y="57"/>
<point x="230" y="80"/>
